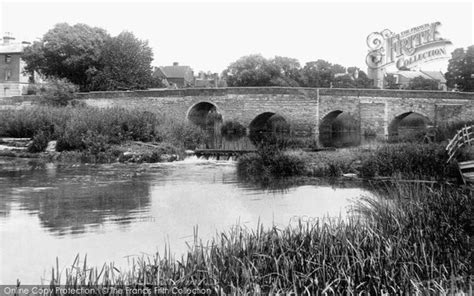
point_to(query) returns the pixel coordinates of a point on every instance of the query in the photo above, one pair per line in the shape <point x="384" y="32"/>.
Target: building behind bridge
<point x="403" y="78"/>
<point x="175" y="75"/>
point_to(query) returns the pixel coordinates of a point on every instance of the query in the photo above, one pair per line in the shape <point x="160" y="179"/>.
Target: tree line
<point x="256" y="70"/>
<point x="92" y="59"/>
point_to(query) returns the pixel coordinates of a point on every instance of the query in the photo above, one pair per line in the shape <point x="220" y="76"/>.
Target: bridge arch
<point x="407" y="125"/>
<point x="266" y="123"/>
<point x="199" y="112"/>
<point x="339" y="128"/>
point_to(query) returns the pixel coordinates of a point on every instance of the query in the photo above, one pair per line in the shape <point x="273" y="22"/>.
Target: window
<point x="8" y="58"/>
<point x="8" y="74"/>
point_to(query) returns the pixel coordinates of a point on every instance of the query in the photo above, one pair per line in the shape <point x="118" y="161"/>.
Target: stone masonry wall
<point x="304" y="108"/>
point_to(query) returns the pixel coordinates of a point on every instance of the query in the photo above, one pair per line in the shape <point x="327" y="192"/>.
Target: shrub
<point x="408" y="160"/>
<point x="233" y="130"/>
<point x="93" y="130"/>
<point x="180" y="133"/>
<point x="446" y="132"/>
<point x="39" y="142"/>
<point x="265" y="166"/>
<point x="57" y="92"/>
<point x="334" y="163"/>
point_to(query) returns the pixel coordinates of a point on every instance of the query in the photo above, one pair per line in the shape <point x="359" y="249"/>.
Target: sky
<point x="208" y="36"/>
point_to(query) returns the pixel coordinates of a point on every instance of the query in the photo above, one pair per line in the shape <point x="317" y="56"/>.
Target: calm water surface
<point x="110" y="212"/>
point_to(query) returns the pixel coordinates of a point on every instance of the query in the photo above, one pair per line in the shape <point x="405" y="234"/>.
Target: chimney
<point x="7" y="37"/>
<point x="175" y="64"/>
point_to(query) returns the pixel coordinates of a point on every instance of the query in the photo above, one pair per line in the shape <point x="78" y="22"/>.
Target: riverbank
<point x="411" y="238"/>
<point x="412" y="161"/>
<point x="127" y="152"/>
<point x="94" y="135"/>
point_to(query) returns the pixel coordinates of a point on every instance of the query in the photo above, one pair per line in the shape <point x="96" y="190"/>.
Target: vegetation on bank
<point x="413" y="158"/>
<point x="99" y="135"/>
<point x="402" y="161"/>
<point x="411" y="239"/>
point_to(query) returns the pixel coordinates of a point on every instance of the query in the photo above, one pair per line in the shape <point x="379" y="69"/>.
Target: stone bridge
<point x="306" y="109"/>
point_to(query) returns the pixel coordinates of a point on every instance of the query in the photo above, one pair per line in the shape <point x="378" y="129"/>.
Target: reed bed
<point x="412" y="239"/>
<point x="93" y="130"/>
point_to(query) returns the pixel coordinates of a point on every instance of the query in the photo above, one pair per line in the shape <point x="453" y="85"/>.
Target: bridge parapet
<point x="375" y="110"/>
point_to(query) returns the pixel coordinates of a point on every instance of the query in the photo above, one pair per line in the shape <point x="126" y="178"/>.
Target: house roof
<point x="433" y="75"/>
<point x="12" y="48"/>
<point x="159" y="73"/>
<point x="436" y="75"/>
<point x="175" y="71"/>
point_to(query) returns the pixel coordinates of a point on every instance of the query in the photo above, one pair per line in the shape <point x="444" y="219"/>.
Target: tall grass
<point x="265" y="166"/>
<point x="413" y="239"/>
<point x="94" y="129"/>
<point x="399" y="161"/>
<point x="444" y="132"/>
<point x="408" y="160"/>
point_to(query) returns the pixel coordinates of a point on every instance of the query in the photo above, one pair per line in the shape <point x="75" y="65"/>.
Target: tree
<point x="92" y="59"/>
<point x="391" y="82"/>
<point x="251" y="70"/>
<point x="67" y="52"/>
<point x="460" y="73"/>
<point x="289" y="71"/>
<point x="255" y="70"/>
<point x="320" y="73"/>
<point x="353" y="79"/>
<point x="126" y="64"/>
<point x="420" y="83"/>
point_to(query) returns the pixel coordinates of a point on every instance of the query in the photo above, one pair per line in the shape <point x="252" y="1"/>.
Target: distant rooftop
<point x="9" y="46"/>
<point x="434" y="75"/>
<point x="175" y="71"/>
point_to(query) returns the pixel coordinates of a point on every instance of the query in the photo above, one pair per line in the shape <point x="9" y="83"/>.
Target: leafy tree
<point x="363" y="81"/>
<point x="289" y="71"/>
<point x="251" y="70"/>
<point x="420" y="83"/>
<point x="67" y="52"/>
<point x="391" y="82"/>
<point x="320" y="73"/>
<point x="460" y="73"/>
<point x="92" y="59"/>
<point x="255" y="70"/>
<point x="126" y="64"/>
<point x="355" y="78"/>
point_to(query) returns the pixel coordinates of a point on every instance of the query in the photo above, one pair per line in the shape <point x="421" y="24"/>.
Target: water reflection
<point x="340" y="139"/>
<point x="69" y="200"/>
<point x="110" y="212"/>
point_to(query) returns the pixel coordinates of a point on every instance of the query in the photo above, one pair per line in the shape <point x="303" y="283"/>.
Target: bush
<point x="263" y="167"/>
<point x="334" y="163"/>
<point x="408" y="160"/>
<point x="57" y="92"/>
<point x="92" y="130"/>
<point x="446" y="132"/>
<point x="180" y="133"/>
<point x="39" y="142"/>
<point x="233" y="130"/>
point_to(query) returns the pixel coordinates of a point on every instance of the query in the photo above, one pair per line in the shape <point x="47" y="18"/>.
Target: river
<point x="114" y="212"/>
